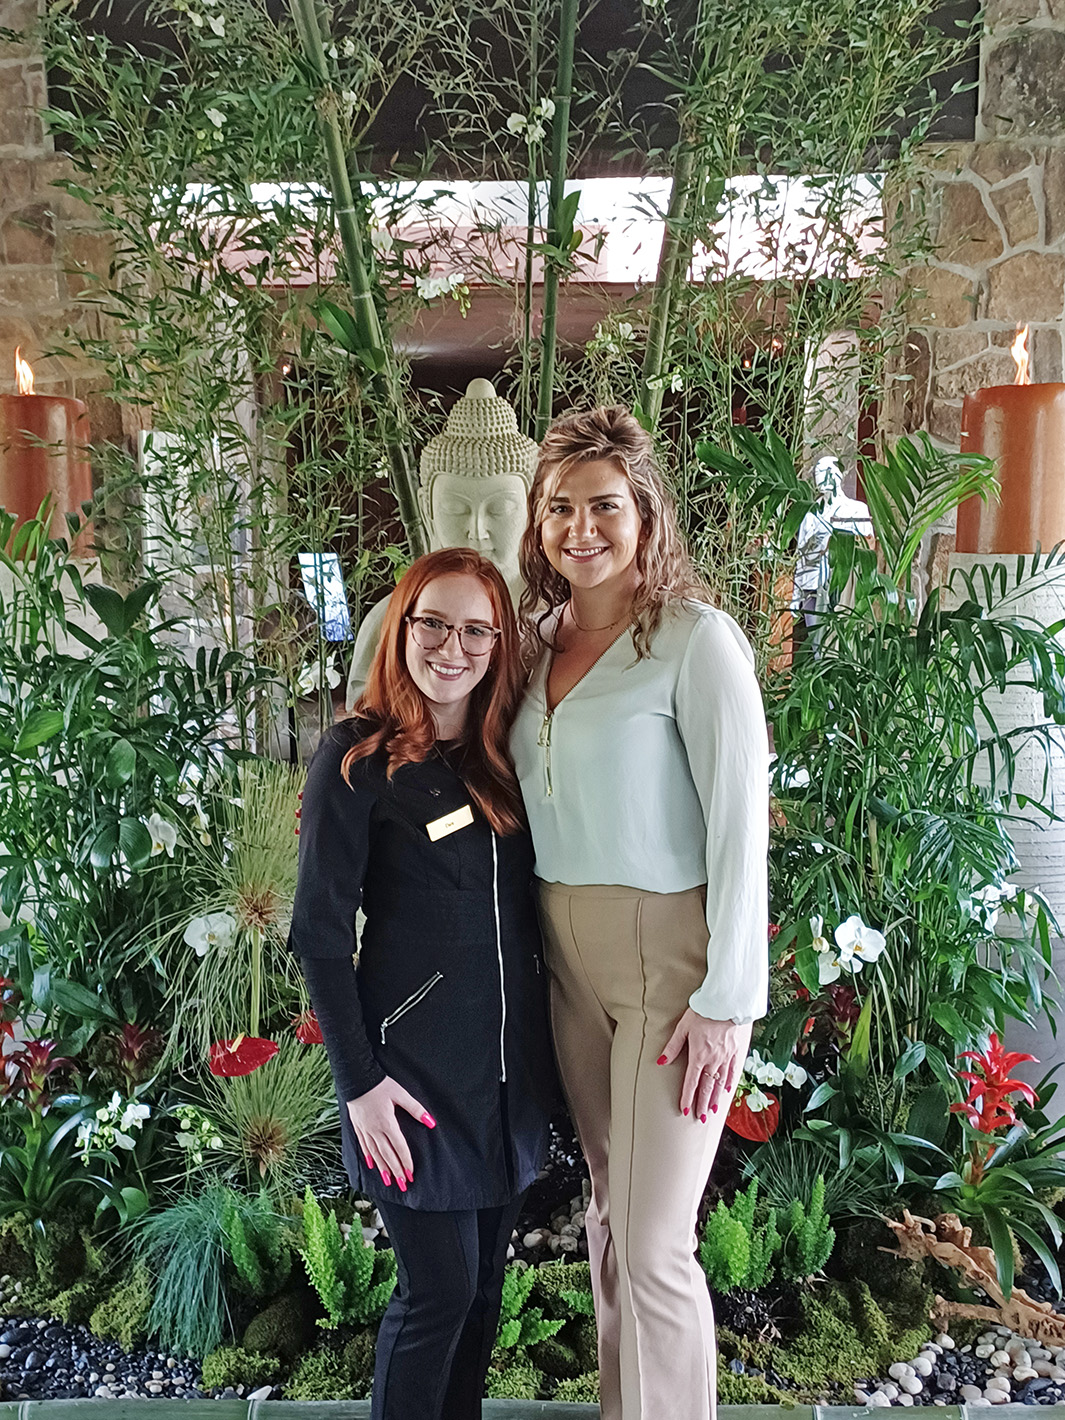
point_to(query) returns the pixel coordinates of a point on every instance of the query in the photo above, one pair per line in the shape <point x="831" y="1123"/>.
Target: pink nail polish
<point x="402" y="1184"/>
<point x="685" y="1110"/>
<point x="410" y="1175"/>
<point x="661" y="1060"/>
<point x="714" y="1108"/>
<point x="428" y="1120"/>
<point x="703" y="1118"/>
<point x="369" y="1162"/>
<point x="386" y="1177"/>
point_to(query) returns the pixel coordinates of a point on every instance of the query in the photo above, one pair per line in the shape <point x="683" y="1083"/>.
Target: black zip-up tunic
<point x="448" y="996"/>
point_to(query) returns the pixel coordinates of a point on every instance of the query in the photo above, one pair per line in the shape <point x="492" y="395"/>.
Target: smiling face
<point x="448" y="675"/>
<point x="487" y="514"/>
<point x="591" y="527"/>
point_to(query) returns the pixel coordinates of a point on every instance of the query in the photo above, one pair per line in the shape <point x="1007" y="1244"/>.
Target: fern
<point x="520" y="1324"/>
<point x="241" y="1253"/>
<point x="810" y="1236"/>
<point x="734" y="1250"/>
<point x="581" y="1302"/>
<point x="353" y="1279"/>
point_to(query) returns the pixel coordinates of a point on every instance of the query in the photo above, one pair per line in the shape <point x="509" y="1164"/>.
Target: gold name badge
<point x="450" y="823"/>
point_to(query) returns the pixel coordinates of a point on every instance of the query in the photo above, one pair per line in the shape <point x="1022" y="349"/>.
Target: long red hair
<point x="403" y="723"/>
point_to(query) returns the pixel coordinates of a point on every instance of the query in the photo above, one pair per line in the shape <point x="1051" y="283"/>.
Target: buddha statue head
<point x="475" y="478"/>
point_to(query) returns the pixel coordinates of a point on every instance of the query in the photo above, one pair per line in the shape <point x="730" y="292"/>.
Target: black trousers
<point x="436" y="1338"/>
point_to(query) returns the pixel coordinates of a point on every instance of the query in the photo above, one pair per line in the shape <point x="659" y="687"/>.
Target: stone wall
<point x="49" y="247"/>
<point x="996" y="212"/>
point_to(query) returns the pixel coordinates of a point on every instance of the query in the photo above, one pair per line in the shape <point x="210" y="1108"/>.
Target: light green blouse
<point x="654" y="774"/>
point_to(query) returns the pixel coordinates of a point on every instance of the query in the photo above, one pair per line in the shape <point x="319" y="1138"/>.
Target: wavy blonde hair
<point x="666" y="573"/>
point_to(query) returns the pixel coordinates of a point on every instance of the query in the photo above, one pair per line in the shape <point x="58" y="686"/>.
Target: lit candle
<point x="44" y="441"/>
<point x="1022" y="427"/>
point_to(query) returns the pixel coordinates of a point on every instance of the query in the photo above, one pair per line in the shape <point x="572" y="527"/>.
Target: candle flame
<point x="23" y="372"/>
<point x="1019" y="351"/>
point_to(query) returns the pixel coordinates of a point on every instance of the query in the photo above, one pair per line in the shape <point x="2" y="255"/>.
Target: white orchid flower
<point x="309" y="680"/>
<point x="197" y="20"/>
<point x="676" y="382"/>
<point x="214" y="930"/>
<point x="85" y="1132"/>
<point x="534" y="133"/>
<point x="185" y="1141"/>
<point x="134" y="1115"/>
<point x="820" y="942"/>
<point x="163" y="835"/>
<point x="857" y="943"/>
<point x="218" y="25"/>
<point x="757" y="1101"/>
<point x="625" y="330"/>
<point x="124" y="1141"/>
<point x="217" y="117"/>
<point x="349" y="48"/>
<point x="545" y="109"/>
<point x="828" y="969"/>
<point x="794" y="1074"/>
<point x="517" y="123"/>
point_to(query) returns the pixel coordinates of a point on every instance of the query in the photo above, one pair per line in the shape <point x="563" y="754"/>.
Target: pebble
<point x="1000" y="1358"/>
<point x="878" y="1398"/>
<point x="899" y="1369"/>
<point x="984" y="1350"/>
<point x="1025" y="1373"/>
<point x="263" y="1393"/>
<point x="905" y="1399"/>
<point x="922" y="1365"/>
<point x="945" y="1340"/>
<point x="103" y="1391"/>
<point x="891" y="1391"/>
<point x="5" y="1351"/>
<point x="911" y="1386"/>
<point x="970" y="1392"/>
<point x="998" y="1383"/>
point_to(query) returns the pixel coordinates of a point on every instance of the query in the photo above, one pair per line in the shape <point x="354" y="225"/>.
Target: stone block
<point x="967" y="234"/>
<point x="87" y="251"/>
<point x="1016" y="207"/>
<point x="21" y="96"/>
<point x="940" y="298"/>
<point x="944" y="422"/>
<point x="997" y="162"/>
<point x="1027" y="287"/>
<point x="20" y="16"/>
<point x="1009" y="12"/>
<point x="954" y="346"/>
<point x="16" y="183"/>
<point x="1054" y="195"/>
<point x="994" y="367"/>
<point x="910" y="385"/>
<point x="1024" y="85"/>
<point x="1045" y="343"/>
<point x="14" y="330"/>
<point x="27" y="237"/>
<point x="28" y="286"/>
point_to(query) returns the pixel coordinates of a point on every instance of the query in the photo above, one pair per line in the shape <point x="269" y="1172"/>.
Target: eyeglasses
<point x="431" y="633"/>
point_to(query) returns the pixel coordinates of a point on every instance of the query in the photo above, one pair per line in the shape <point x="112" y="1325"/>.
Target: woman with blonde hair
<point x="438" y="1039"/>
<point x="642" y="754"/>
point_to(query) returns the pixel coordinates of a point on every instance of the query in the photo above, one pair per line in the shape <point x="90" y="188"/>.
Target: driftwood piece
<point x="947" y="1241"/>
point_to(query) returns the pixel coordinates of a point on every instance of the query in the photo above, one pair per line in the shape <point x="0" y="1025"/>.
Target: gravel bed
<point x="999" y="1367"/>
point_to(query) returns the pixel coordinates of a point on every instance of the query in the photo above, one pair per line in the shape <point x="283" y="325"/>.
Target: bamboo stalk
<point x="673" y="262"/>
<point x="553" y="264"/>
<point x="373" y="336"/>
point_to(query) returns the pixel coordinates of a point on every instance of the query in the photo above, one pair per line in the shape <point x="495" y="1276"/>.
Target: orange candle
<point x="44" y="441"/>
<point x="1022" y="427"/>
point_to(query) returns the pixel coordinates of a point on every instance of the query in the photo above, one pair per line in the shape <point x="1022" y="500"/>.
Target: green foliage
<point x="734" y="1250"/>
<point x="846" y="1333"/>
<point x="233" y="1366"/>
<point x="359" y="1356"/>
<point x="322" y="1375"/>
<point x="43" y="1177"/>
<point x="187" y="1247"/>
<point x="555" y="1358"/>
<point x="787" y="1169"/>
<point x="581" y="1390"/>
<point x="515" y="1379"/>
<point x="353" y="1279"/>
<point x="808" y="1237"/>
<point x="257" y="1242"/>
<point x="285" y="1328"/>
<point x="124" y="1314"/>
<point x="519" y="1323"/>
<point x="748" y="1390"/>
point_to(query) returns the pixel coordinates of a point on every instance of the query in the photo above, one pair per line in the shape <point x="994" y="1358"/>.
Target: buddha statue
<point x="475" y="477"/>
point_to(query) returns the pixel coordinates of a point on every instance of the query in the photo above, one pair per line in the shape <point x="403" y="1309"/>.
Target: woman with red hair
<point x="438" y="1038"/>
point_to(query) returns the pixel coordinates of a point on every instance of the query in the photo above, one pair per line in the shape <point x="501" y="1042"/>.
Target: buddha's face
<point x="487" y="514"/>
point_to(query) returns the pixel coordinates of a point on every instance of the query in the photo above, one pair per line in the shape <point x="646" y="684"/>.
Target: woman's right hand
<point x="373" y="1117"/>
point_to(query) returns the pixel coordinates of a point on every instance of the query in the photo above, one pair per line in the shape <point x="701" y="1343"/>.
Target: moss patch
<point x="518" y="1380"/>
<point x="321" y="1376"/>
<point x="285" y="1327"/>
<point x="233" y="1366"/>
<point x="581" y="1390"/>
<point x="123" y="1315"/>
<point x="748" y="1390"/>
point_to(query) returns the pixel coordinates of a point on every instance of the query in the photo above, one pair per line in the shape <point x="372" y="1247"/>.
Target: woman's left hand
<point x="716" y="1052"/>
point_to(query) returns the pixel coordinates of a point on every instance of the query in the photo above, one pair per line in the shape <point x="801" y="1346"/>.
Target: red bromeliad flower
<point x="758" y="1126"/>
<point x="308" y="1031"/>
<point x="988" y="1106"/>
<point x="240" y="1056"/>
<point x="9" y="1001"/>
<point x="133" y="1052"/>
<point x="29" y="1070"/>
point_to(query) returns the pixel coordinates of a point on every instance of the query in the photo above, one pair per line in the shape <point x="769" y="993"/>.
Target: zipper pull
<point x="544" y="741"/>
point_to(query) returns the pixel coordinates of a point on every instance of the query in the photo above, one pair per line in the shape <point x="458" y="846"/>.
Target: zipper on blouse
<point x="410" y="1002"/>
<point x="499" y="958"/>
<point x="544" y="741"/>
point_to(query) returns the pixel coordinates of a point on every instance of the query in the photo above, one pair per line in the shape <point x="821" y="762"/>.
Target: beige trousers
<point x="622" y="964"/>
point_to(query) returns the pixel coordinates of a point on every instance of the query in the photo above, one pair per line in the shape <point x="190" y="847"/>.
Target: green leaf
<point x="135" y="842"/>
<point x="999" y="1233"/>
<point x="108" y="606"/>
<point x="909" y="1060"/>
<point x="340" y="324"/>
<point x="928" y="1117"/>
<point x="39" y="725"/>
<point x="119" y="765"/>
<point x="825" y="1091"/>
<point x="1039" y="1247"/>
<point x="72" y="996"/>
<point x="104" y="845"/>
<point x="945" y="1016"/>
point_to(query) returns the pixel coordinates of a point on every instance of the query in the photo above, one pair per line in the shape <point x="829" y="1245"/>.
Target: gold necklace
<point x="608" y="627"/>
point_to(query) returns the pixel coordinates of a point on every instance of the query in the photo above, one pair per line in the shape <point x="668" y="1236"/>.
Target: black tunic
<point x="450" y="997"/>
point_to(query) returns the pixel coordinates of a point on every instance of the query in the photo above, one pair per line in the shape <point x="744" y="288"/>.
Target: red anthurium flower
<point x="758" y="1126"/>
<point x="240" y="1056"/>
<point x="308" y="1031"/>
<point x="988" y="1106"/>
